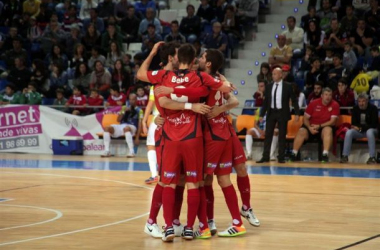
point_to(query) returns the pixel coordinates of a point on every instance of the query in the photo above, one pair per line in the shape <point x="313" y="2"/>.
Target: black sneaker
<point x="187" y="233"/>
<point x="371" y="160"/>
<point x="168" y="234"/>
<point x="344" y="159"/>
<point x="325" y="158"/>
<point x="293" y="157"/>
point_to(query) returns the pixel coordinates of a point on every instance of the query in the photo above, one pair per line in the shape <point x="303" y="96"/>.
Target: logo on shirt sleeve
<point x="154" y="72"/>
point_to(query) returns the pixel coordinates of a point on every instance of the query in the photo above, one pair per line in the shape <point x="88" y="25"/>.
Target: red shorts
<point x="218" y="157"/>
<point x="177" y="154"/>
<point x="238" y="151"/>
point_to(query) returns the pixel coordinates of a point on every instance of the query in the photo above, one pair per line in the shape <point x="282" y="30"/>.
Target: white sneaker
<point x="178" y="230"/>
<point x="212" y="226"/>
<point x="106" y="154"/>
<point x="153" y="230"/>
<point x="249" y="157"/>
<point x="131" y="155"/>
<point x="250" y="216"/>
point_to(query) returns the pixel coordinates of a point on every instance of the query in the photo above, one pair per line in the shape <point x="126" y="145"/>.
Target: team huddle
<point x="194" y="140"/>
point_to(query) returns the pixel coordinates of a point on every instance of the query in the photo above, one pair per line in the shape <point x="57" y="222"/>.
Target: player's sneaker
<point x="153" y="230"/>
<point x="325" y="158"/>
<point x="187" y="233"/>
<point x="168" y="234"/>
<point x="250" y="216"/>
<point x="212" y="226"/>
<point x="202" y="234"/>
<point x="178" y="230"/>
<point x="106" y="154"/>
<point x="249" y="157"/>
<point x="131" y="155"/>
<point x="151" y="180"/>
<point x="233" y="231"/>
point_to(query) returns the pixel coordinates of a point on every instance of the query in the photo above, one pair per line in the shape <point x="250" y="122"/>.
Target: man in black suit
<point x="276" y="107"/>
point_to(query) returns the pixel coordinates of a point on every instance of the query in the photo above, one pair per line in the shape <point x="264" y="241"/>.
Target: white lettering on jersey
<point x="180" y="79"/>
<point x="183" y="119"/>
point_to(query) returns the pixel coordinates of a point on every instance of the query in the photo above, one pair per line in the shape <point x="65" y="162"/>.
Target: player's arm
<point x="148" y="110"/>
<point x="232" y="102"/>
<point x="142" y="73"/>
<point x="222" y="85"/>
<point x="167" y="103"/>
<point x="190" y="92"/>
<point x="121" y="113"/>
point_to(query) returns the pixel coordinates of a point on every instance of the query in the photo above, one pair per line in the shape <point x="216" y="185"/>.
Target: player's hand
<point x="162" y="90"/>
<point x="155" y="48"/>
<point x="145" y="127"/>
<point x="214" y="112"/>
<point x="159" y="121"/>
<point x="200" y="108"/>
<point x="296" y="118"/>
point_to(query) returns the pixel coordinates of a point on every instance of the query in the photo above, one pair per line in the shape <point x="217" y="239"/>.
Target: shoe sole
<point x="150" y="182"/>
<point x="203" y="237"/>
<point x="187" y="237"/>
<point x="129" y="157"/>
<point x="255" y="225"/>
<point x="232" y="235"/>
<point x="105" y="156"/>
<point x="170" y="238"/>
<point x="148" y="233"/>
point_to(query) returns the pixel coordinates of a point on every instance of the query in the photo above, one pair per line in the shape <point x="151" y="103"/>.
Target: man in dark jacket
<point x="364" y="125"/>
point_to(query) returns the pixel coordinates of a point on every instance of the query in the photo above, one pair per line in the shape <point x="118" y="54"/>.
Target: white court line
<point x="57" y="212"/>
<point x="79" y="230"/>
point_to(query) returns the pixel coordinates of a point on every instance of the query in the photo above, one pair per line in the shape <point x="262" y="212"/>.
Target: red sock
<point x="178" y="204"/>
<point x="193" y="199"/>
<point x="210" y="201"/>
<point x="202" y="210"/>
<point x="232" y="203"/>
<point x="168" y="197"/>
<point x="156" y="204"/>
<point x="245" y="191"/>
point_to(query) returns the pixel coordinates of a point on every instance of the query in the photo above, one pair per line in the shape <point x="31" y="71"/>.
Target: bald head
<point x="277" y="74"/>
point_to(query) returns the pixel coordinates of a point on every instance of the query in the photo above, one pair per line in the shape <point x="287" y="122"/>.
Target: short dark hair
<point x="130" y="7"/>
<point x="166" y="50"/>
<point x="190" y="6"/>
<point x="79" y="88"/>
<point x="186" y="54"/>
<point x="175" y="22"/>
<point x="343" y="80"/>
<point x="311" y="7"/>
<point x="312" y="60"/>
<point x="11" y="86"/>
<point x="59" y="91"/>
<point x="291" y="17"/>
<point x="319" y="83"/>
<point x="375" y="49"/>
<point x="33" y="84"/>
<point x="115" y="87"/>
<point x="151" y="25"/>
<point x="216" y="58"/>
<point x="139" y="86"/>
<point x="263" y="81"/>
<point x="338" y="55"/>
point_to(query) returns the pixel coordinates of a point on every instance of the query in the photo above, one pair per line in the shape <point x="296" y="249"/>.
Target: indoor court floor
<point x="85" y="202"/>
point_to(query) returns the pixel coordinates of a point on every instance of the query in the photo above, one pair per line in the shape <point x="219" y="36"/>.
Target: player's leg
<point x="179" y="190"/>
<point x="203" y="232"/>
<point x="108" y="131"/>
<point x="209" y="191"/>
<point x="327" y="138"/>
<point x="129" y="132"/>
<point x="301" y="136"/>
<point x="251" y="133"/>
<point x="151" y="227"/>
<point x="152" y="157"/>
<point x="274" y="145"/>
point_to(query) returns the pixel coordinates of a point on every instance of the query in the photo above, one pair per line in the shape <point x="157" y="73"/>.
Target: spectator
<point x="60" y="100"/>
<point x="372" y="17"/>
<point x="318" y="123"/>
<point x="114" y="55"/>
<point x="334" y="37"/>
<point x="129" y="25"/>
<point x="247" y="11"/>
<point x="34" y="32"/>
<point x="190" y="25"/>
<point x="53" y="35"/>
<point x="216" y="40"/>
<point x="231" y="26"/>
<point x="362" y="38"/>
<point x="111" y="36"/>
<point x="121" y="10"/>
<point x="364" y="124"/>
<point x="77" y="99"/>
<point x="361" y="7"/>
<point x="56" y="56"/>
<point x="150" y="37"/>
<point x="375" y="53"/>
<point x="73" y="39"/>
<point x="360" y="84"/>
<point x="150" y="19"/>
<point x="106" y="9"/>
<point x="95" y="56"/>
<point x="348" y="22"/>
<point x="143" y="6"/>
<point x="12" y="35"/>
<point x="336" y="73"/>
<point x="294" y="35"/>
<point x="116" y="98"/>
<point x="206" y="12"/>
<point x="39" y="75"/>
<point x="59" y="79"/>
<point x="174" y="35"/>
<point x="313" y="75"/>
<point x="32" y="7"/>
<point x="142" y="97"/>
<point x="287" y="76"/>
<point x="71" y="18"/>
<point x="82" y="76"/>
<point x="91" y="38"/>
<point x="299" y="95"/>
<point x="305" y="62"/>
<point x="312" y="15"/>
<point x="281" y="54"/>
<point x="265" y="73"/>
<point x="31" y="96"/>
<point x="10" y="95"/>
<point x="220" y="10"/>
<point x="16" y="52"/>
<point x="344" y="96"/>
<point x="43" y="18"/>
<point x="259" y="94"/>
<point x="326" y="15"/>
<point x="86" y="8"/>
<point x="349" y="57"/>
<point x="95" y="100"/>
<point x="11" y="9"/>
<point x="94" y="19"/>
<point x="79" y="56"/>
<point x="329" y="60"/>
<point x="130" y="124"/>
<point x="317" y="92"/>
<point x="100" y="79"/>
<point x="314" y="36"/>
<point x="121" y="77"/>
<point x="19" y="75"/>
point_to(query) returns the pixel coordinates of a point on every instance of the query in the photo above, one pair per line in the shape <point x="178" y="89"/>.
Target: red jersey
<point x="258" y="99"/>
<point x="319" y="113"/>
<point x="112" y="100"/>
<point x="182" y="124"/>
<point x="142" y="101"/>
<point x="97" y="101"/>
<point x="77" y="100"/>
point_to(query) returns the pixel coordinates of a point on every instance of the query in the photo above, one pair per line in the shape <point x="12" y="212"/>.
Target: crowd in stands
<point x="73" y="50"/>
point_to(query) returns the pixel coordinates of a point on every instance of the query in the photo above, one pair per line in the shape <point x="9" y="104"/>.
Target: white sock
<point x="152" y="159"/>
<point x="295" y="151"/>
<point x="325" y="152"/>
<point x="129" y="140"/>
<point x="273" y="147"/>
<point x="107" y="141"/>
<point x="248" y="144"/>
